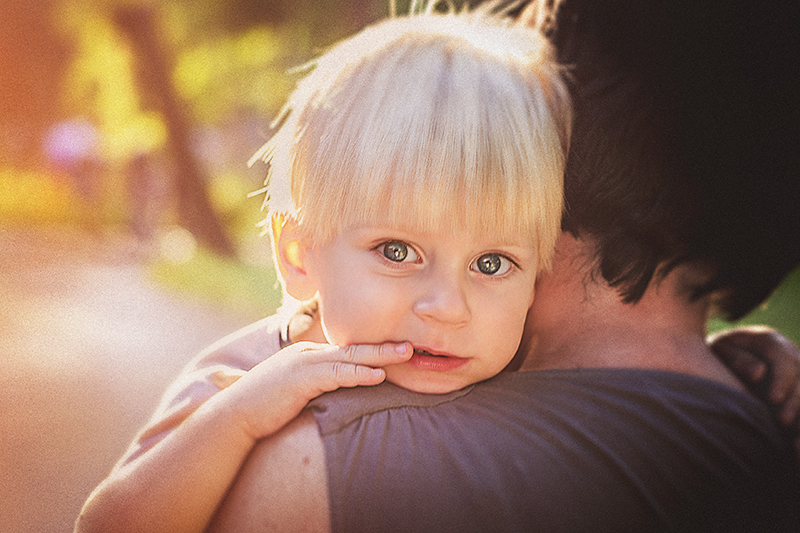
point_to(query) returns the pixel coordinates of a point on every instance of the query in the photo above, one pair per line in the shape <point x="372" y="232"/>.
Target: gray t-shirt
<point x="559" y="450"/>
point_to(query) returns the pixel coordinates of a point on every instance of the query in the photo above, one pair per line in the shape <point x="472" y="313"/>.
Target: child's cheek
<point x="346" y="324"/>
<point x="364" y="318"/>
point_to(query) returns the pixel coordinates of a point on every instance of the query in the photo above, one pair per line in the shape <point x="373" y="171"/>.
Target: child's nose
<point x="444" y="301"/>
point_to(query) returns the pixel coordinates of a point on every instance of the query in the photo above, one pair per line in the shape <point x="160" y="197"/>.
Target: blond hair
<point x="453" y="120"/>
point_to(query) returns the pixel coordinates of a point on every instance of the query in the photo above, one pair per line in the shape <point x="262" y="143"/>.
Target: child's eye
<point x="492" y="264"/>
<point x="398" y="252"/>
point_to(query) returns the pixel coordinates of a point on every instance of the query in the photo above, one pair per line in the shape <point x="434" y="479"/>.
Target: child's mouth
<point x="436" y="362"/>
<point x="425" y="352"/>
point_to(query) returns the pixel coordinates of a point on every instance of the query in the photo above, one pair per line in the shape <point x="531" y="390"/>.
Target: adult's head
<point x="685" y="142"/>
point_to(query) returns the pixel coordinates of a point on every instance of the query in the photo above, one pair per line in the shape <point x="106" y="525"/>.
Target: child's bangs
<point x="404" y="173"/>
<point x="427" y="187"/>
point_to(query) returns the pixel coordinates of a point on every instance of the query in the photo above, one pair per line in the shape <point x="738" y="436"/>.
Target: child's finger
<point x="387" y="353"/>
<point x="323" y="367"/>
<point x="742" y="361"/>
<point x="355" y="365"/>
<point x="786" y="386"/>
<point x="352" y="375"/>
<point x="377" y="354"/>
<point x="326" y="376"/>
<point x="782" y="355"/>
<point x="780" y="359"/>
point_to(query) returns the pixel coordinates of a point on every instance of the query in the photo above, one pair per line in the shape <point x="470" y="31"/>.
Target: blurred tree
<point x="155" y="67"/>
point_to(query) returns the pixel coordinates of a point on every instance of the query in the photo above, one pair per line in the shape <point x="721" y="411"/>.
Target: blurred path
<point x="87" y="346"/>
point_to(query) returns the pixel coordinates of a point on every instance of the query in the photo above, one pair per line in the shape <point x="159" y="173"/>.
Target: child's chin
<point x="425" y="386"/>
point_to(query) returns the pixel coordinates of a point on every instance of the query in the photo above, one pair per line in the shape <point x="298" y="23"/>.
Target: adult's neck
<point x="579" y="321"/>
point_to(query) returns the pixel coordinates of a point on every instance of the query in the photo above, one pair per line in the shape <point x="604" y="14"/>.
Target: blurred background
<point x="128" y="241"/>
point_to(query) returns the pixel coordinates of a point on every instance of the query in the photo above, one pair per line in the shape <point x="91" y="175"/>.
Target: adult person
<point x="682" y="161"/>
<point x="622" y="418"/>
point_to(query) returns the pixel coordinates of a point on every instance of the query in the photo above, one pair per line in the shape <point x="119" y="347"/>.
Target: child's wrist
<point x="223" y="415"/>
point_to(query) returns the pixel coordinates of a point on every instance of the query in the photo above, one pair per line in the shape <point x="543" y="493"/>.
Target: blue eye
<point x="398" y="252"/>
<point x="492" y="264"/>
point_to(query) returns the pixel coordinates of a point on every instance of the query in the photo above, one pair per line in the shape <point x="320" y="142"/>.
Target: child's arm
<point x="177" y="485"/>
<point x="204" y="376"/>
<point x="768" y="363"/>
<point x="217" y="367"/>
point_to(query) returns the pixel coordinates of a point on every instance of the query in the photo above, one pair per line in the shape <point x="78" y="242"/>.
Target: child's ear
<point x="290" y="253"/>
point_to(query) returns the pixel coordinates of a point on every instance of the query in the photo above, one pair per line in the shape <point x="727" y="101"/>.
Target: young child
<point x="414" y="192"/>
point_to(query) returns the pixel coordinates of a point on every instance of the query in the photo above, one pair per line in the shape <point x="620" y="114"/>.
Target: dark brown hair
<point x="686" y="141"/>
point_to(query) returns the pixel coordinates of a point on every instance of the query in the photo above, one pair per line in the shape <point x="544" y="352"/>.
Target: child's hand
<point x="274" y="392"/>
<point x="768" y="363"/>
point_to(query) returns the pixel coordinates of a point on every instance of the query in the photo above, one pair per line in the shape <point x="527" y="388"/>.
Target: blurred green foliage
<point x="100" y="85"/>
<point x="222" y="77"/>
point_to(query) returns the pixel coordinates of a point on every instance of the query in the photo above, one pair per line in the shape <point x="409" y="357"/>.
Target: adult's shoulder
<point x="282" y="486"/>
<point x="567" y="450"/>
<point x="531" y="394"/>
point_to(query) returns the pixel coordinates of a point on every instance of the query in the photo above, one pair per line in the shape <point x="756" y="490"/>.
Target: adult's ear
<point x="290" y="249"/>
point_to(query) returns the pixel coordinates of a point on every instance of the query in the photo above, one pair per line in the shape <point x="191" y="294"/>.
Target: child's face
<point x="460" y="299"/>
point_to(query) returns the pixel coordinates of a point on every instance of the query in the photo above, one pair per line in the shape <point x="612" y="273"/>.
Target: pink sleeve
<point x="211" y="371"/>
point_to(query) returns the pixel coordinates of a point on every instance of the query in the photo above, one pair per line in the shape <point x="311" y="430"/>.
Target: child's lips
<point x="432" y="352"/>
<point x="426" y="352"/>
<point x="436" y="361"/>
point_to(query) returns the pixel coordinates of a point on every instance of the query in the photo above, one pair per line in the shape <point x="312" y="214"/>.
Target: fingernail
<point x="401" y="349"/>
